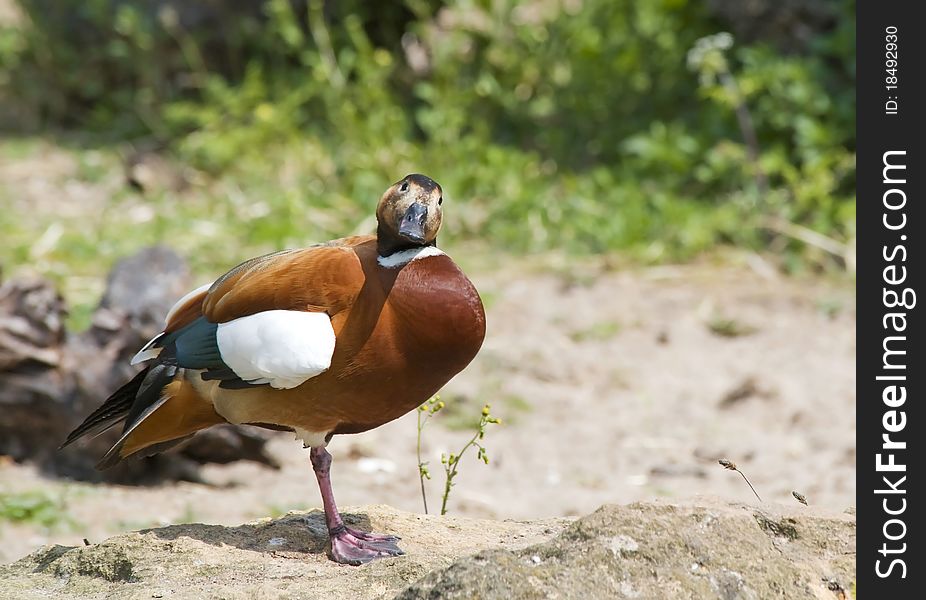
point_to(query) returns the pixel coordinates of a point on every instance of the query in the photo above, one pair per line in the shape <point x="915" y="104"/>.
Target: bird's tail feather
<point x="132" y="403"/>
<point x="112" y="412"/>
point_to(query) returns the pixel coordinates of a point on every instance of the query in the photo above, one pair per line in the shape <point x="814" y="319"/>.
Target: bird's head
<point x="409" y="213"/>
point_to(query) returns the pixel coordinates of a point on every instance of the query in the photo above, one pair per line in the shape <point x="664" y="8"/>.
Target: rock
<point x="270" y="558"/>
<point x="704" y="549"/>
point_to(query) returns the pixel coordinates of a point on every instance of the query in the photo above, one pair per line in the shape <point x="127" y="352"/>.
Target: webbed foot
<point x="353" y="547"/>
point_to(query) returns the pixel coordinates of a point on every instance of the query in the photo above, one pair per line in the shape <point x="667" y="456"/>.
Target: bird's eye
<point x="440" y="200"/>
<point x="404" y="187"/>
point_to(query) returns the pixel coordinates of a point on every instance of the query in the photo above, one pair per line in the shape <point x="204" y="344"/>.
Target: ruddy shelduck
<point x="336" y="338"/>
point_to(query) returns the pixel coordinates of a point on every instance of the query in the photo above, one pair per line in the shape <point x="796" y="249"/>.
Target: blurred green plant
<point x="574" y="125"/>
<point x="596" y="332"/>
<point x="39" y="507"/>
<point x="798" y="148"/>
<point x="452" y="460"/>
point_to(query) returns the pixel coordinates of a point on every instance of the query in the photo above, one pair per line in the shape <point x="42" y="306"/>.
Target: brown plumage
<point x="404" y="319"/>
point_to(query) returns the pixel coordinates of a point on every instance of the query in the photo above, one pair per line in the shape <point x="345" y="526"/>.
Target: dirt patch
<point x="706" y="548"/>
<point x="282" y="557"/>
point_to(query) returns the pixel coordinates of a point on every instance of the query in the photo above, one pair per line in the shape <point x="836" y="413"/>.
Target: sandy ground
<point x="708" y="548"/>
<point x="614" y="387"/>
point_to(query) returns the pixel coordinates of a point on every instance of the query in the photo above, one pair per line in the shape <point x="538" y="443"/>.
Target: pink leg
<point x="348" y="546"/>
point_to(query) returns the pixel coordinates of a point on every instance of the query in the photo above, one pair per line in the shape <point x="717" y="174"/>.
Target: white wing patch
<point x="281" y="347"/>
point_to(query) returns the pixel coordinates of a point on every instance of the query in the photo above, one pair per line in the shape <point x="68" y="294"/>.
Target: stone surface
<point x="704" y="549"/>
<point x="643" y="550"/>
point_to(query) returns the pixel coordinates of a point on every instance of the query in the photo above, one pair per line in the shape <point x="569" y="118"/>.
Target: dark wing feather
<point x="111" y="412"/>
<point x="197" y="348"/>
<point x="149" y="392"/>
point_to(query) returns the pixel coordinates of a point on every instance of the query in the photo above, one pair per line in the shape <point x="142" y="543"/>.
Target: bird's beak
<point x="412" y="225"/>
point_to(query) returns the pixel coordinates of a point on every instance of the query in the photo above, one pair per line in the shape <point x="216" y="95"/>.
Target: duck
<point x="335" y="338"/>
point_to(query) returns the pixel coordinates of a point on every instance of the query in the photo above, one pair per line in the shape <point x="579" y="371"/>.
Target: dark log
<point x="50" y="380"/>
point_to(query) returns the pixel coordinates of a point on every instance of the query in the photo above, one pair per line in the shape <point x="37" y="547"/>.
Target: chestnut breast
<point x="438" y="316"/>
<point x="411" y="330"/>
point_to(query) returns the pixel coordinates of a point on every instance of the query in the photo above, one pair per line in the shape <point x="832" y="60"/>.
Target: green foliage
<point x="96" y="63"/>
<point x="462" y="410"/>
<point x="38" y="507"/>
<point x="568" y="81"/>
<point x="424" y="413"/>
<point x="571" y="125"/>
<point x="451" y="462"/>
